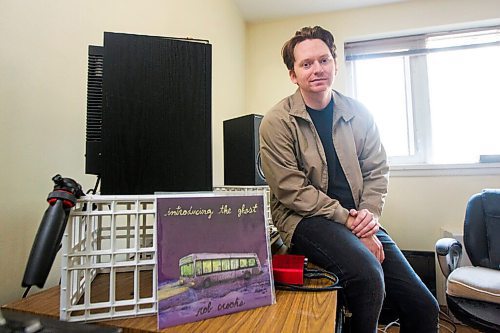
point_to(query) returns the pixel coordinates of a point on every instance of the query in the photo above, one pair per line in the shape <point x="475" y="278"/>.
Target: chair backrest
<point x="482" y="229"/>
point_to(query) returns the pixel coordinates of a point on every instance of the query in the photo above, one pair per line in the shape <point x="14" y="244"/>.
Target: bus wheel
<point x="207" y="283"/>
<point x="246" y="275"/>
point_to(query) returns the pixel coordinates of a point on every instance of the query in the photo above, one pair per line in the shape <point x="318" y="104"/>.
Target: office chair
<point x="473" y="292"/>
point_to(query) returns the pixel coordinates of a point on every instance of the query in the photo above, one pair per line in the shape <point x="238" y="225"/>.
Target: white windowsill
<point x="423" y="170"/>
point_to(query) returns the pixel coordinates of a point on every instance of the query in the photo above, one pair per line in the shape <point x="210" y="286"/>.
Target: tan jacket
<point x="294" y="162"/>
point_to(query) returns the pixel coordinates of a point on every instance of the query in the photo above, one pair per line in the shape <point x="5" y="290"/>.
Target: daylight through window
<point x="434" y="96"/>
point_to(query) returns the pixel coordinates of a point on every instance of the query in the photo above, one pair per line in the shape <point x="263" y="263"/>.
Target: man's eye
<point x="324" y="61"/>
<point x="306" y="65"/>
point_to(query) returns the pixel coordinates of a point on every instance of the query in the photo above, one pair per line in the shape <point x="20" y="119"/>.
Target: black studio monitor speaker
<point x="241" y="151"/>
<point x="424" y="264"/>
<point x="149" y="124"/>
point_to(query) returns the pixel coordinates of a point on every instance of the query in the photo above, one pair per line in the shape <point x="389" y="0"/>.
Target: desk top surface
<point x="293" y="312"/>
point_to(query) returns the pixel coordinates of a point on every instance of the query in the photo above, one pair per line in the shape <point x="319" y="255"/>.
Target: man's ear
<point x="293" y="77"/>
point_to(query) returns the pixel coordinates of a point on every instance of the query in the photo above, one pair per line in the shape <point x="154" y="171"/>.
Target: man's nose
<point x="317" y="67"/>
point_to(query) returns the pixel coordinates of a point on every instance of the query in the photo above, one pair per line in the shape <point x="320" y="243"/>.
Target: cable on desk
<point x="26" y="291"/>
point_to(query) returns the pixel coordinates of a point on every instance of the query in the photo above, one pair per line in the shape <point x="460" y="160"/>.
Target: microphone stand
<point x="48" y="238"/>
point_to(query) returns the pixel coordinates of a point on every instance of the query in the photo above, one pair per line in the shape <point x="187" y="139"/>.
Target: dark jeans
<point x="333" y="247"/>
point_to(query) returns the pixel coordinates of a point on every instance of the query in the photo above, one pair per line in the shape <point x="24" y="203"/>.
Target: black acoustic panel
<point x="156" y="115"/>
<point x="241" y="151"/>
<point x="93" y="147"/>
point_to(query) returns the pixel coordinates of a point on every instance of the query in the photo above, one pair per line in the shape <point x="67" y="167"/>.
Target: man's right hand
<point x="362" y="223"/>
<point x="375" y="246"/>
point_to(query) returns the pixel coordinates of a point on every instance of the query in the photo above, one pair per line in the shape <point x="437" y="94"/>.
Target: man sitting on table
<point x="327" y="171"/>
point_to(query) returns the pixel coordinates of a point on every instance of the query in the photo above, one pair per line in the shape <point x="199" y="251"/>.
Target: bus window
<point x="199" y="270"/>
<point x="234" y="264"/>
<point x="216" y="265"/>
<point x="225" y="265"/>
<point x="207" y="266"/>
<point x="252" y="262"/>
<point x="187" y="270"/>
<point x="243" y="263"/>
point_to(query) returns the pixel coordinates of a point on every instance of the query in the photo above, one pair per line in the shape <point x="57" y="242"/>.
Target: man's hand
<point x="362" y="223"/>
<point x="373" y="244"/>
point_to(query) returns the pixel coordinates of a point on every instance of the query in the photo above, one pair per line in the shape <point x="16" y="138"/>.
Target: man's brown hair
<point x="316" y="32"/>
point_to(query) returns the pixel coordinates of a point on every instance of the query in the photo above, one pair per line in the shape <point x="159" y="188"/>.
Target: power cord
<point x="447" y="319"/>
<point x="443" y="316"/>
<point x="96" y="186"/>
<point x="386" y="327"/>
<point x="26" y="291"/>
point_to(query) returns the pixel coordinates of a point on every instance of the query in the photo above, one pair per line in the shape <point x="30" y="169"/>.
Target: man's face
<point x="314" y="67"/>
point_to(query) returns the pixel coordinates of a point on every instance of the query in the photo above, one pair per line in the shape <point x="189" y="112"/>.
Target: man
<point x="327" y="170"/>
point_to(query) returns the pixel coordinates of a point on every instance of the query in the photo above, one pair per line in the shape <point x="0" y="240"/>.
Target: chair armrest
<point x="449" y="253"/>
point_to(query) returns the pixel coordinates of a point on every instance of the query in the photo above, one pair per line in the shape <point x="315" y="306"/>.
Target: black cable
<point x="444" y="317"/>
<point x="26" y="291"/>
<point x="94" y="190"/>
<point x="313" y="274"/>
<point x="283" y="286"/>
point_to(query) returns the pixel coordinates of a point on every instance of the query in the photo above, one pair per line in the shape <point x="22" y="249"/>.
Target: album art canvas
<point x="213" y="257"/>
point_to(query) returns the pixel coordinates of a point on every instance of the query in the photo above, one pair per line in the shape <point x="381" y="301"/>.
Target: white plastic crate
<point x="111" y="236"/>
<point x="253" y="189"/>
<point x="108" y="236"/>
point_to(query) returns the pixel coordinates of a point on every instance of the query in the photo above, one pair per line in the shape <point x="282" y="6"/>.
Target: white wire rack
<point x="252" y="189"/>
<point x="109" y="237"/>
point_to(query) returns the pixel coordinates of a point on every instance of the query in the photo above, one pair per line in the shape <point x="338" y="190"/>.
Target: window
<point x="234" y="264"/>
<point x="199" y="268"/>
<point x="216" y="265"/>
<point x="252" y="262"/>
<point x="225" y="265"/>
<point x="434" y="96"/>
<point x="243" y="263"/>
<point x="207" y="266"/>
<point x="187" y="269"/>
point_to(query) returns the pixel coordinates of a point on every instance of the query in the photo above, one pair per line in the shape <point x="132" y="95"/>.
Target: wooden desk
<point x="293" y="312"/>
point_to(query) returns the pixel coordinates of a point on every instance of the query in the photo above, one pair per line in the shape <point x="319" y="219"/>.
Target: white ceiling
<point x="260" y="10"/>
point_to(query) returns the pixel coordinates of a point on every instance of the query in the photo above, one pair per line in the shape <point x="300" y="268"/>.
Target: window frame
<point x="415" y="61"/>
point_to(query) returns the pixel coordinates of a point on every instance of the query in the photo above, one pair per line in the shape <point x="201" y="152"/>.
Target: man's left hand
<point x="365" y="224"/>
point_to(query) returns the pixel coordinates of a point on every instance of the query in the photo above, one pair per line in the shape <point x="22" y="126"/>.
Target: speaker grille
<point x="94" y="94"/>
<point x="93" y="144"/>
<point x="242" y="163"/>
<point x="156" y="116"/>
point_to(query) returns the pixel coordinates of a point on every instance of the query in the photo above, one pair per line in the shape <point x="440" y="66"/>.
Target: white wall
<point x="43" y="65"/>
<point x="416" y="207"/>
<point x="43" y="68"/>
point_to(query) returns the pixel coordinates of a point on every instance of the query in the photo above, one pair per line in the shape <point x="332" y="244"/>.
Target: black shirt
<point x="338" y="187"/>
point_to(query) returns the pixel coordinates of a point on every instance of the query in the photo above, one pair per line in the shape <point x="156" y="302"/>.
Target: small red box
<point x="289" y="269"/>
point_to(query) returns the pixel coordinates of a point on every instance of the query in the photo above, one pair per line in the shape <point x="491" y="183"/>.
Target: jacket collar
<point x="298" y="107"/>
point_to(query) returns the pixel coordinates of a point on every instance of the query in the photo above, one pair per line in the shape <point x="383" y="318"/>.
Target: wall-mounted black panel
<point x="241" y="151"/>
<point x="93" y="142"/>
<point x="156" y="115"/>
